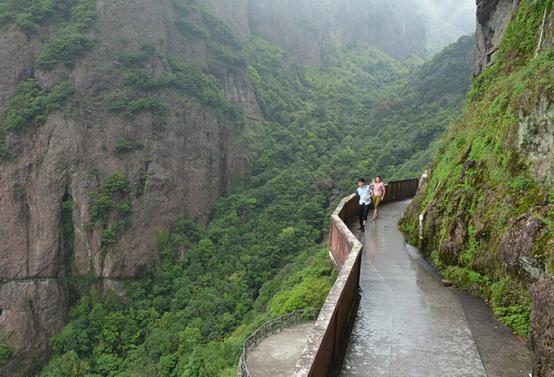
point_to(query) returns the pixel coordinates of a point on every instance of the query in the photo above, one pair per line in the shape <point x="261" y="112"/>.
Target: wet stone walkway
<point x="409" y="325"/>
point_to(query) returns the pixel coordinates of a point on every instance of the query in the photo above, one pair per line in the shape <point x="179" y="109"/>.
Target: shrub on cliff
<point x="70" y="41"/>
<point x="5" y="354"/>
<point x="31" y="104"/>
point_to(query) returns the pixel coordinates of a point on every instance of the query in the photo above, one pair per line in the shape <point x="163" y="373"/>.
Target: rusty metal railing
<point x="401" y="190"/>
<point x="268" y="329"/>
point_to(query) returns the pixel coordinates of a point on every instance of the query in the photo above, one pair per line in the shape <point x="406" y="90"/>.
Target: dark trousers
<point x="362" y="213"/>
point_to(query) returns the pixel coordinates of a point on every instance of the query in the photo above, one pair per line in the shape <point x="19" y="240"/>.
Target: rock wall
<point x="536" y="139"/>
<point x="186" y="162"/>
<point x="542" y="326"/>
<point x="493" y="16"/>
<point x="305" y="28"/>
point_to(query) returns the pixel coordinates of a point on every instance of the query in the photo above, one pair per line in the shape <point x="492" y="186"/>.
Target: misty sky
<point x="456" y="12"/>
<point x="447" y="20"/>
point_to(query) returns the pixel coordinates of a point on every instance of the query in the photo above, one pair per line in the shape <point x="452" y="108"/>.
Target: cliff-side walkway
<point x="408" y="324"/>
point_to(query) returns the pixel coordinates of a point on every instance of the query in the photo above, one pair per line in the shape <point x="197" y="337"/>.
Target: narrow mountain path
<point x="408" y="324"/>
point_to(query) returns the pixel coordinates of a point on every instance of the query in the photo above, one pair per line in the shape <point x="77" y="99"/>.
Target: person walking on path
<point x="378" y="196"/>
<point x="364" y="195"/>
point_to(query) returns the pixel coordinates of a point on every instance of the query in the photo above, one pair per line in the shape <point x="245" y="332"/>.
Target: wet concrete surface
<point x="408" y="324"/>
<point x="277" y="355"/>
<point x="503" y="354"/>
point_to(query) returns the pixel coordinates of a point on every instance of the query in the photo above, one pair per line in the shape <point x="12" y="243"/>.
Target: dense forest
<point x="262" y="253"/>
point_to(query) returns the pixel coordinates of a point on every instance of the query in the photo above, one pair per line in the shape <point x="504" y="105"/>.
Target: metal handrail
<point x="269" y="328"/>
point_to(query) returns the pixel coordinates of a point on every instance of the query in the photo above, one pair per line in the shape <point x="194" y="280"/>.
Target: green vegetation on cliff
<point x="73" y="18"/>
<point x="70" y="40"/>
<point x="31" y="106"/>
<point x="186" y="79"/>
<point x="111" y="207"/>
<point x="489" y="223"/>
<point x="5" y="354"/>
<point x="28" y="15"/>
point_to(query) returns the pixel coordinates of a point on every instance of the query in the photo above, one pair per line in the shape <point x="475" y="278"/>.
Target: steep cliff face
<point x="488" y="208"/>
<point x="85" y="184"/>
<point x="492" y="19"/>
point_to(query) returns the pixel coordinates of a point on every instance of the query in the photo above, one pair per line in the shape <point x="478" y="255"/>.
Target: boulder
<point x="516" y="246"/>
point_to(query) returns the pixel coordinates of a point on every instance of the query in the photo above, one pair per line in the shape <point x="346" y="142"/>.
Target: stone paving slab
<point x="408" y="324"/>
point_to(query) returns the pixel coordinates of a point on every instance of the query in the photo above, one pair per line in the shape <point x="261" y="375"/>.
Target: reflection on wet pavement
<point x="408" y="324"/>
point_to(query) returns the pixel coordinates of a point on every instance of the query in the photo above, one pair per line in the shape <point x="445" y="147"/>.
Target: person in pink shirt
<point x="378" y="196"/>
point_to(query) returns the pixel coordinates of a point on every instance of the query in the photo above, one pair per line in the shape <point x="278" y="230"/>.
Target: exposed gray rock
<point x="400" y="28"/>
<point x="16" y="62"/>
<point x="548" y="31"/>
<point x="32" y="310"/>
<point x="305" y="28"/>
<point x="536" y="140"/>
<point x="234" y="13"/>
<point x="493" y="17"/>
<point x="516" y="246"/>
<point x="541" y="336"/>
<point x="469" y="164"/>
<point x="455" y="242"/>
